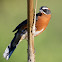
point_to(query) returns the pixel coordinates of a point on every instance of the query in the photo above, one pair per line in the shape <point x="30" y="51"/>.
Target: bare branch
<point x="31" y="56"/>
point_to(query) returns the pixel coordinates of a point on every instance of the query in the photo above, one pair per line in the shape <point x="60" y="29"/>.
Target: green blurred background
<point x="48" y="45"/>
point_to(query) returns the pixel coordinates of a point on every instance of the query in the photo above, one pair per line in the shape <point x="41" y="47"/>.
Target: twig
<point x="31" y="57"/>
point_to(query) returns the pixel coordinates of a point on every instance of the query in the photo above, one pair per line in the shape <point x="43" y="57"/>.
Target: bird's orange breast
<point x="42" y="22"/>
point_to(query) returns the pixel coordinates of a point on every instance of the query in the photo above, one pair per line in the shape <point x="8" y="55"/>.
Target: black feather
<point x="20" y="25"/>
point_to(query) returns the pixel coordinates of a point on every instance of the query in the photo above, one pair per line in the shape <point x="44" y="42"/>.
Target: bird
<point x="42" y="20"/>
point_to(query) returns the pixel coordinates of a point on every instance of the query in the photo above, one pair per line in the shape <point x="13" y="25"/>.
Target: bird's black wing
<point x="20" y="25"/>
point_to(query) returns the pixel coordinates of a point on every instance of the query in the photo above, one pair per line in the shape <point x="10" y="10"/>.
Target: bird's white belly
<point x="24" y="36"/>
<point x="37" y="32"/>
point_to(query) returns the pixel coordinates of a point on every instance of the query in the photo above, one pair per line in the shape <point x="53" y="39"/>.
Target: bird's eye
<point x="45" y="10"/>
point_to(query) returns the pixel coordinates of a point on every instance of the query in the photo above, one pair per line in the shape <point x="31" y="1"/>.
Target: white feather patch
<point x="44" y="8"/>
<point x="37" y="32"/>
<point x="5" y="55"/>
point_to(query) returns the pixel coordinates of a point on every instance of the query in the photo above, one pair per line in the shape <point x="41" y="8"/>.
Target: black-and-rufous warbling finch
<point x="42" y="20"/>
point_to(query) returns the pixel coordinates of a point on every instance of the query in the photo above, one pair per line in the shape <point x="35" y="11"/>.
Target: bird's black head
<point x="45" y="10"/>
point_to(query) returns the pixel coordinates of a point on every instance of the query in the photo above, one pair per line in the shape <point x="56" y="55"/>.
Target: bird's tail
<point x="10" y="49"/>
